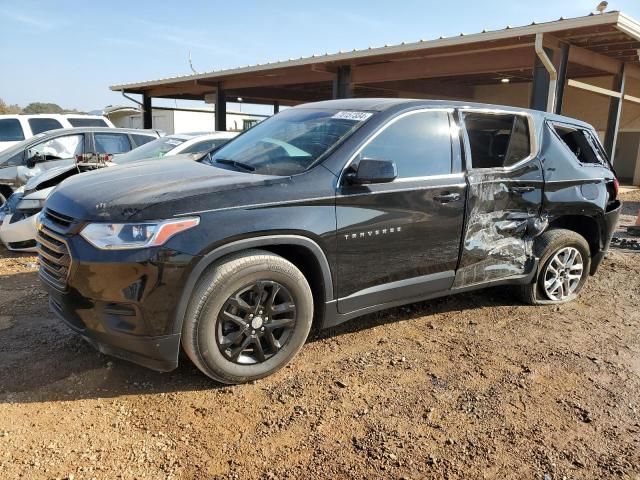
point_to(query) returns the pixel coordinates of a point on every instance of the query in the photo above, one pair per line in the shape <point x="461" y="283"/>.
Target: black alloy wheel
<point x="255" y="322"/>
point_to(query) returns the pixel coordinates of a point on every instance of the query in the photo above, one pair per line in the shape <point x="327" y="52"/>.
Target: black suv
<point x="324" y="212"/>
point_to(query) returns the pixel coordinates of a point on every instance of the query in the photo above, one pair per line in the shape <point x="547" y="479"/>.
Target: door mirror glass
<point x="34" y="157"/>
<point x="373" y="171"/>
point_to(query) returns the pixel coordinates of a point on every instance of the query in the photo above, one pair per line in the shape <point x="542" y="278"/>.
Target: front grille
<point x="54" y="257"/>
<point x="58" y="218"/>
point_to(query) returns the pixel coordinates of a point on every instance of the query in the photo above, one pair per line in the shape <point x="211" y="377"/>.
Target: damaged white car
<point x="19" y="215"/>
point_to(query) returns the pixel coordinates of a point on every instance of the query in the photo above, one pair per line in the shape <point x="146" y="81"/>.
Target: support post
<point x="541" y="82"/>
<point x="342" y="87"/>
<point x="276" y="107"/>
<point x="615" y="110"/>
<point x="221" y="110"/>
<point x="147" y="111"/>
<point x="562" y="76"/>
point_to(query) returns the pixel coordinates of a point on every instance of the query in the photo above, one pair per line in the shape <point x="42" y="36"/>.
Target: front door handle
<point x="446" y="197"/>
<point x="521" y="190"/>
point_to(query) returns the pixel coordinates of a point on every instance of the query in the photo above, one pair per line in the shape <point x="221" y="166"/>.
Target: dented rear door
<point x="502" y="216"/>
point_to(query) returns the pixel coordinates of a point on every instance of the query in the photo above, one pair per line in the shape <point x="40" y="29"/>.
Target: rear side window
<point x="142" y="139"/>
<point x="205" y="145"/>
<point x="112" y="142"/>
<point x="87" y="122"/>
<point x="11" y="130"/>
<point x="581" y="143"/>
<point x="419" y="144"/>
<point x="39" y="125"/>
<point x="497" y="141"/>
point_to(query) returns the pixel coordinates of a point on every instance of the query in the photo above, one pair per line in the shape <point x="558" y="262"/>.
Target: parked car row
<point x="320" y="214"/>
<point x="50" y="158"/>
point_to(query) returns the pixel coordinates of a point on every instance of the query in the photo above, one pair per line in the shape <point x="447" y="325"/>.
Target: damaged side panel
<point x="503" y="217"/>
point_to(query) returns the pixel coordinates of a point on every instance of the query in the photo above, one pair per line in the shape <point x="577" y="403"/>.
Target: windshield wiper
<point x="235" y="163"/>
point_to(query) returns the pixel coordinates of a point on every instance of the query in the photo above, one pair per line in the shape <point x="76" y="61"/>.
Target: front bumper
<point x="19" y="236"/>
<point x="157" y="353"/>
<point x="121" y="302"/>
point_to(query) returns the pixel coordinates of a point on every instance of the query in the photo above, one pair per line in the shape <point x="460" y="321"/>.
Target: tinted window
<point x="17" y="159"/>
<point x="87" y="122"/>
<point x="11" y="130"/>
<point x="419" y="144"/>
<point x="581" y="144"/>
<point x="39" y="125"/>
<point x="59" y="148"/>
<point x="142" y="139"/>
<point x="205" y="145"/>
<point x="497" y="140"/>
<point x="112" y="142"/>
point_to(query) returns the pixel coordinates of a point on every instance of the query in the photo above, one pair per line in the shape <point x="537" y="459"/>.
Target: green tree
<point x="6" y="108"/>
<point x="39" y="107"/>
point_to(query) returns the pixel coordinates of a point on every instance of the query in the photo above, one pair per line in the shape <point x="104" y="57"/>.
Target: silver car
<point x="60" y="147"/>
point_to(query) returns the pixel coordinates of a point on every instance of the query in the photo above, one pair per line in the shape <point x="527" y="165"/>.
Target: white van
<point x="15" y="128"/>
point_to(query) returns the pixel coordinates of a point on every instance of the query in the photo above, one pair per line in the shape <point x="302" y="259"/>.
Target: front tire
<point x="249" y="316"/>
<point x="565" y="260"/>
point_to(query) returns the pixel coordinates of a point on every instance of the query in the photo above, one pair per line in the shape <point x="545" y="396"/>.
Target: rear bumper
<point x="610" y="223"/>
<point x="154" y="352"/>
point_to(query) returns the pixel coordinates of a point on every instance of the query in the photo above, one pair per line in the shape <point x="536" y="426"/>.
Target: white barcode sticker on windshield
<point x="356" y="116"/>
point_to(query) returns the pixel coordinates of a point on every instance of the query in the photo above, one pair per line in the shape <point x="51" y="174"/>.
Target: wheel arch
<point x="584" y="225"/>
<point x="302" y="251"/>
<point x="6" y="190"/>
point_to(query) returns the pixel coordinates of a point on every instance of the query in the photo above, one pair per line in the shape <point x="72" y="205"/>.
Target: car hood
<point x="52" y="173"/>
<point x="150" y="190"/>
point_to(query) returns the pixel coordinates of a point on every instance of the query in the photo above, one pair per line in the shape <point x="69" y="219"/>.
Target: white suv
<point x="15" y="128"/>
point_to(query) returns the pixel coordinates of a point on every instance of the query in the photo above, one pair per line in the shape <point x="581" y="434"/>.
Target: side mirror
<point x="32" y="160"/>
<point x="373" y="171"/>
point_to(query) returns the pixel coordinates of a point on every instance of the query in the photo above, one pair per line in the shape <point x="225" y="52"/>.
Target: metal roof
<point x="622" y="23"/>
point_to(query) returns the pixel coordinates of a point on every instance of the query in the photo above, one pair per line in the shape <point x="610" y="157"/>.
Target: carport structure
<point x="586" y="67"/>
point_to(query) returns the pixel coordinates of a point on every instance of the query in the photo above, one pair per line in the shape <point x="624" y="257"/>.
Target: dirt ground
<point x="471" y="386"/>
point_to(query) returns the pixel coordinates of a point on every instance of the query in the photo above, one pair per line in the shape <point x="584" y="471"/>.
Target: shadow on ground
<point x="42" y="360"/>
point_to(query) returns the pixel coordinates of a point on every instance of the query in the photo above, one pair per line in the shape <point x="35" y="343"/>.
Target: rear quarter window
<point x="11" y="130"/>
<point x="142" y="139"/>
<point x="39" y="125"/>
<point x="581" y="143"/>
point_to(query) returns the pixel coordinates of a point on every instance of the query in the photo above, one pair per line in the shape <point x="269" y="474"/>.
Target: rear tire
<point x="249" y="315"/>
<point x="565" y="260"/>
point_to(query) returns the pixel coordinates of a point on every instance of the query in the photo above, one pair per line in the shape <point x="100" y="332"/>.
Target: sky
<point x="70" y="52"/>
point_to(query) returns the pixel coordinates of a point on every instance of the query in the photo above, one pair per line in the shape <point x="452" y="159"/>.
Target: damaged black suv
<point x="323" y="213"/>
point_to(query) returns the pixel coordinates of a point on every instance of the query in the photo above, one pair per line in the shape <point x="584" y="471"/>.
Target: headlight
<point x="27" y="204"/>
<point x="119" y="236"/>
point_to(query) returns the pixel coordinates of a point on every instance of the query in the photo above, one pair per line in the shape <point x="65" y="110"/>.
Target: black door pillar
<point x="147" y="112"/>
<point x="276" y="107"/>
<point x="562" y="76"/>
<point x="615" y="109"/>
<point x="342" y="87"/>
<point x="221" y="110"/>
<point x="541" y="81"/>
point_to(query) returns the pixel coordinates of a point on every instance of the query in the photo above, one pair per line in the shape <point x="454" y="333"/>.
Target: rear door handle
<point x="521" y="190"/>
<point x="446" y="197"/>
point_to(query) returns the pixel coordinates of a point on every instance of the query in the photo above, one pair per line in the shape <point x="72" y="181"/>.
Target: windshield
<point x="155" y="149"/>
<point x="288" y="143"/>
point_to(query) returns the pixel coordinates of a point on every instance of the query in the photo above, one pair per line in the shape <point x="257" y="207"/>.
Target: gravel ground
<point x="471" y="386"/>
